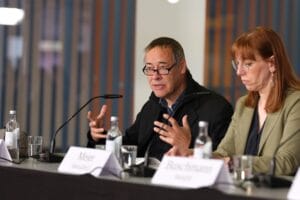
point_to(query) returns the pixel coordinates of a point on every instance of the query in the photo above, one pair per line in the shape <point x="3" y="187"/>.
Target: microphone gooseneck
<point x="52" y="143"/>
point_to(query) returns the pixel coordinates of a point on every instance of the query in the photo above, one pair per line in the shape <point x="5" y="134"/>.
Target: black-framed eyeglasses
<point x="150" y="70"/>
<point x="244" y="66"/>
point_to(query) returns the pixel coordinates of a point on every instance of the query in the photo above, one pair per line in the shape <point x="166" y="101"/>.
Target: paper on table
<point x="4" y="152"/>
<point x="191" y="173"/>
<point x="80" y="160"/>
<point x="294" y="192"/>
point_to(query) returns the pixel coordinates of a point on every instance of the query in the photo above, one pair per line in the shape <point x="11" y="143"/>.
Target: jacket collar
<point x="244" y="127"/>
<point x="270" y="122"/>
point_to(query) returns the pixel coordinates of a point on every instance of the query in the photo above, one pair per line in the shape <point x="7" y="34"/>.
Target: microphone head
<point x="112" y="96"/>
<point x="271" y="181"/>
<point x="49" y="157"/>
<point x="140" y="171"/>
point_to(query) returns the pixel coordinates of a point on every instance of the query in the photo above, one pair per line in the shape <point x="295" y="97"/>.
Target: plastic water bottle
<point x="114" y="138"/>
<point x="203" y="143"/>
<point x="12" y="136"/>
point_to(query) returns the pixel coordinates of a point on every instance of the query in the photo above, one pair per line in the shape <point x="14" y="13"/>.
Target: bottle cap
<point x="12" y="112"/>
<point x="113" y="118"/>
<point x="203" y="123"/>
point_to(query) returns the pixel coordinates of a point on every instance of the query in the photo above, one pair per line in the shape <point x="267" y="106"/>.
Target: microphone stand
<point x="144" y="169"/>
<point x="51" y="156"/>
<point x="270" y="180"/>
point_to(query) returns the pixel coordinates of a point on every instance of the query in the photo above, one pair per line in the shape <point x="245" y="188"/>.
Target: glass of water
<point x="128" y="153"/>
<point x="35" y="145"/>
<point x="242" y="168"/>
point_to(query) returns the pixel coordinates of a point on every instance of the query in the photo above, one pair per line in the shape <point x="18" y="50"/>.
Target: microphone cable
<point x="50" y="156"/>
<point x="106" y="96"/>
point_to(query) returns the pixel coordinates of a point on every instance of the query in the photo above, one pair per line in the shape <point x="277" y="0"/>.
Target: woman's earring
<point x="272" y="79"/>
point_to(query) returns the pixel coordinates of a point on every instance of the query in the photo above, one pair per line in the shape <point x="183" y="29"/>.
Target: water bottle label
<point x="11" y="139"/>
<point x="118" y="141"/>
<point x="118" y="144"/>
<point x="198" y="153"/>
<point x="17" y="132"/>
<point x="207" y="149"/>
<point x="110" y="146"/>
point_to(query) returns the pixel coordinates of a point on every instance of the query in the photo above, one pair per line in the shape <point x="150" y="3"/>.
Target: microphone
<point x="270" y="180"/>
<point x="145" y="169"/>
<point x="146" y="156"/>
<point x="51" y="156"/>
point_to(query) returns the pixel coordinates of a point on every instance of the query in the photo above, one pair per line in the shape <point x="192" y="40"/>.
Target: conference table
<point x="33" y="179"/>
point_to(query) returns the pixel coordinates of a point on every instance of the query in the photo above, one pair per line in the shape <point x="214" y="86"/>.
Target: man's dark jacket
<point x="199" y="104"/>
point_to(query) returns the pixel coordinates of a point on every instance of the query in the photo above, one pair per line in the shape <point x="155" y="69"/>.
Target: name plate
<point x="81" y="160"/>
<point x="294" y="192"/>
<point x="4" y="152"/>
<point x="187" y="172"/>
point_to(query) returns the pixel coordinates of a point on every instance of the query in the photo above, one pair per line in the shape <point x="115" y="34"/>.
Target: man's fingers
<point x="161" y="126"/>
<point x="102" y="112"/>
<point x="160" y="131"/>
<point x="98" y="133"/>
<point x="98" y="130"/>
<point x="171" y="120"/>
<point x="89" y="116"/>
<point x="168" y="140"/>
<point x="93" y="124"/>
<point x="99" y="136"/>
<point x="185" y="121"/>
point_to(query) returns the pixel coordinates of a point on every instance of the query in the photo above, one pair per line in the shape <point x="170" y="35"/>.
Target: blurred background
<point x="56" y="55"/>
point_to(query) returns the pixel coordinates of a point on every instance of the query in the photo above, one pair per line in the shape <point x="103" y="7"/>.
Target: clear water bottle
<point x="114" y="138"/>
<point x="12" y="136"/>
<point x="203" y="143"/>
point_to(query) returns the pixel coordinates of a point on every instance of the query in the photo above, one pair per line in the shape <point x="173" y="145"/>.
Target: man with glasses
<point x="168" y="121"/>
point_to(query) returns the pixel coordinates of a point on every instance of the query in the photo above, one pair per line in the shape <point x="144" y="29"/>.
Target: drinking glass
<point x="128" y="153"/>
<point x="35" y="145"/>
<point x="242" y="168"/>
